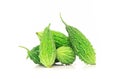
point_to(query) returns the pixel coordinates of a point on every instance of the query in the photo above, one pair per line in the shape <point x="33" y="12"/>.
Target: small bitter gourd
<point x="80" y="44"/>
<point x="33" y="54"/>
<point x="65" y="55"/>
<point x="47" y="48"/>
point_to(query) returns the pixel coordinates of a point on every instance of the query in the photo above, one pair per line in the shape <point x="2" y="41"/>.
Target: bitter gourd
<point x="47" y="48"/>
<point x="33" y="54"/>
<point x="65" y="55"/>
<point x="80" y="44"/>
<point x="59" y="38"/>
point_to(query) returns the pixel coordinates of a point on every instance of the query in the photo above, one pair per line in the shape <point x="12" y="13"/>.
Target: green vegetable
<point x="80" y="44"/>
<point x="33" y="54"/>
<point x="47" y="49"/>
<point x="59" y="38"/>
<point x="65" y="55"/>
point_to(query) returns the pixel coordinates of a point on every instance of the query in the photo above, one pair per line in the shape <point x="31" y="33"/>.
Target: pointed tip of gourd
<point x="48" y="66"/>
<point x="91" y="63"/>
<point x="49" y="25"/>
<point x="37" y="33"/>
<point x="46" y="28"/>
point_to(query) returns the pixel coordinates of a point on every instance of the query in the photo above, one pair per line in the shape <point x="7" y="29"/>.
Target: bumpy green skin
<point x="33" y="54"/>
<point x="59" y="38"/>
<point x="65" y="55"/>
<point x="47" y="49"/>
<point x="81" y="45"/>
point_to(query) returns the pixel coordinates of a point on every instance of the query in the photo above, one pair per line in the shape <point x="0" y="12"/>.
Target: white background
<point x="99" y="20"/>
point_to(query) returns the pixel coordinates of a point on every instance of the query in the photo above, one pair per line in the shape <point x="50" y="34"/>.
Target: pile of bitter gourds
<point x="56" y="47"/>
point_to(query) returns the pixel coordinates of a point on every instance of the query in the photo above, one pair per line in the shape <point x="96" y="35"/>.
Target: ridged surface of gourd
<point x="33" y="54"/>
<point x="65" y="55"/>
<point x="59" y="38"/>
<point x="81" y="45"/>
<point x="47" y="48"/>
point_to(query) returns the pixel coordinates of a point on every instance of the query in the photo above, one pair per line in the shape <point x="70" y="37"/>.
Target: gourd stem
<point x="63" y="20"/>
<point x="27" y="51"/>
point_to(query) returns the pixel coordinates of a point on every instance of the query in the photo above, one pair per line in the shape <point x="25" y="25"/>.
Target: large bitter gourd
<point x="80" y="44"/>
<point x="47" y="48"/>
